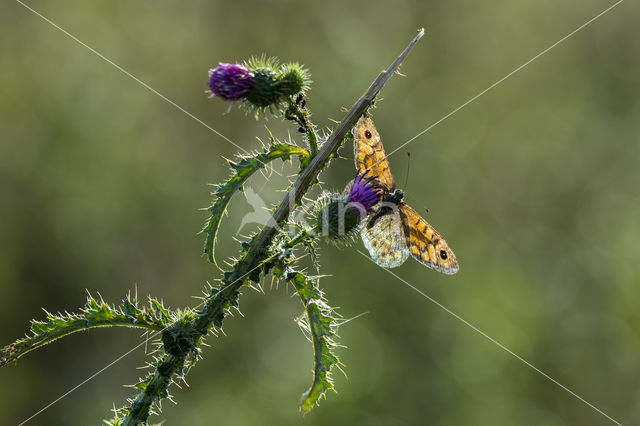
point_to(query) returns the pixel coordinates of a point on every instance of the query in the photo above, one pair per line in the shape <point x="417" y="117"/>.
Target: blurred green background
<point x="534" y="185"/>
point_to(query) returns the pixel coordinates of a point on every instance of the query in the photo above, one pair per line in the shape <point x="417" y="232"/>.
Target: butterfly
<point x="395" y="230"/>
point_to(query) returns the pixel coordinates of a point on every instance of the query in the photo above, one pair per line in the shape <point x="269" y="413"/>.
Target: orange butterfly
<point x="395" y="230"/>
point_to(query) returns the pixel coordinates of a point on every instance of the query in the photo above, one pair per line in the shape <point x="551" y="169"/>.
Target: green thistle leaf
<point x="322" y="326"/>
<point x="243" y="170"/>
<point x="96" y="313"/>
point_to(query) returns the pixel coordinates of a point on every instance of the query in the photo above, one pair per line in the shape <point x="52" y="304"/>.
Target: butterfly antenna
<point x="406" y="178"/>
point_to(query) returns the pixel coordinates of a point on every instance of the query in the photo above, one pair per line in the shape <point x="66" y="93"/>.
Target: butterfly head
<point x="395" y="197"/>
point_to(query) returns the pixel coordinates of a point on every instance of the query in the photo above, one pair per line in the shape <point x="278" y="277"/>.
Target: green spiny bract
<point x="336" y="218"/>
<point x="273" y="84"/>
<point x="266" y="88"/>
<point x="294" y="79"/>
<point x="181" y="338"/>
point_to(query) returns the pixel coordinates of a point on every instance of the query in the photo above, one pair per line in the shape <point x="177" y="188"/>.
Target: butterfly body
<point x="394" y="197"/>
<point x="389" y="201"/>
<point x="395" y="230"/>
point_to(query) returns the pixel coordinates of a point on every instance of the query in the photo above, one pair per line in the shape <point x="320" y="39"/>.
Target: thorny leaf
<point x="96" y="313"/>
<point x="242" y="170"/>
<point x="321" y="325"/>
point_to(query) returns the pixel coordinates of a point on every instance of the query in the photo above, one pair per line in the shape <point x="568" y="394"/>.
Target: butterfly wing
<point x="369" y="153"/>
<point x="425" y="244"/>
<point x="385" y="239"/>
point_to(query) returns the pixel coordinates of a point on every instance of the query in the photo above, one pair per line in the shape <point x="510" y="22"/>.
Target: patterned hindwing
<point x="425" y="244"/>
<point x="369" y="153"/>
<point x="386" y="241"/>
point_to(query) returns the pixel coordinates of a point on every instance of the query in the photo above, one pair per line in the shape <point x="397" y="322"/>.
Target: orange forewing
<point x="369" y="154"/>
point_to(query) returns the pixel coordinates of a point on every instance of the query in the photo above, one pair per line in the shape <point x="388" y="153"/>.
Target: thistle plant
<point x="263" y="86"/>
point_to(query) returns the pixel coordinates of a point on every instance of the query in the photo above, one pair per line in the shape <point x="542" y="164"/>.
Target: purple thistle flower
<point x="364" y="192"/>
<point x="230" y="81"/>
<point x="338" y="215"/>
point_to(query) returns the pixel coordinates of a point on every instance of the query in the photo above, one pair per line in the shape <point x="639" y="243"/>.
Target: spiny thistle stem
<point x="299" y="238"/>
<point x="310" y="131"/>
<point x="297" y="111"/>
<point x="155" y="389"/>
<point x="174" y="362"/>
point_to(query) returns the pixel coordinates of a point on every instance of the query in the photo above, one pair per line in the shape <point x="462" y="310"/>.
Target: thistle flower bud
<point x="293" y="79"/>
<point x="262" y="83"/>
